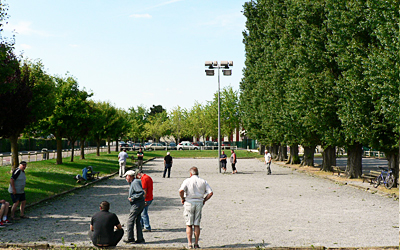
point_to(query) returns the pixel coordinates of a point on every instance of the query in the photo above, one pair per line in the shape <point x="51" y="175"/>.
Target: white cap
<point x="129" y="172"/>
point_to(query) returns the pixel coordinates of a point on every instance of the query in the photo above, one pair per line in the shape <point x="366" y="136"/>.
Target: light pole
<point x="224" y="65"/>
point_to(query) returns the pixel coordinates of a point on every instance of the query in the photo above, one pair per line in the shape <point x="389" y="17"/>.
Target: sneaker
<point x="140" y="241"/>
<point x="146" y="230"/>
<point x="129" y="241"/>
<point x="2" y="224"/>
<point x="196" y="246"/>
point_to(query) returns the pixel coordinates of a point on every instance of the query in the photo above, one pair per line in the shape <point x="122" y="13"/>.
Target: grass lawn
<point x="46" y="178"/>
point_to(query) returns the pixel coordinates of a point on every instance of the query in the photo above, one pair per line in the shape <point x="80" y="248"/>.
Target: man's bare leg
<point x="196" y="234"/>
<point x="189" y="233"/>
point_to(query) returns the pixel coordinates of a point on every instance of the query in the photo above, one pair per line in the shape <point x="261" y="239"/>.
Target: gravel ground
<point x="248" y="209"/>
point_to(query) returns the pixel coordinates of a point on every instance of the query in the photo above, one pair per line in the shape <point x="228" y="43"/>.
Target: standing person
<point x="122" y="156"/>
<point x="192" y="192"/>
<point x="167" y="164"/>
<point x="102" y="226"/>
<point x="136" y="199"/>
<point x="222" y="159"/>
<point x="268" y="159"/>
<point x="140" y="159"/>
<point x="17" y="190"/>
<point x="233" y="161"/>
<point x="4" y="205"/>
<point x="147" y="185"/>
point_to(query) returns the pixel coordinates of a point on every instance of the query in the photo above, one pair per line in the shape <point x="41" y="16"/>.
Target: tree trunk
<point x="14" y="151"/>
<point x="294" y="155"/>
<point x="82" y="149"/>
<point x="328" y="158"/>
<point x="98" y="147"/>
<point x="281" y="153"/>
<point x="393" y="163"/>
<point x="72" y="150"/>
<point x="108" y="145"/>
<point x="354" y="160"/>
<point x="274" y="151"/>
<point x="262" y="149"/>
<point x="59" y="150"/>
<point x="116" y="146"/>
<point x="308" y="157"/>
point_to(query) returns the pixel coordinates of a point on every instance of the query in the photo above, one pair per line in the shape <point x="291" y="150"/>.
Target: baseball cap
<point x="129" y="172"/>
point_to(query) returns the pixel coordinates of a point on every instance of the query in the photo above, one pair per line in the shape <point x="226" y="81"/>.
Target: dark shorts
<point x="17" y="197"/>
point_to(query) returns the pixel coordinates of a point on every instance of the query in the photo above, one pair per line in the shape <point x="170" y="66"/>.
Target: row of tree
<point x="323" y="72"/>
<point x="36" y="104"/>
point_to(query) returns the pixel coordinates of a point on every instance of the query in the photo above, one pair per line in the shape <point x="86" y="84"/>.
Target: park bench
<point x="91" y="174"/>
<point x="370" y="176"/>
<point x="337" y="170"/>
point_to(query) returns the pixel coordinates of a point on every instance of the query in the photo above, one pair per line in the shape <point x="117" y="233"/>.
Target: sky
<point x="133" y="52"/>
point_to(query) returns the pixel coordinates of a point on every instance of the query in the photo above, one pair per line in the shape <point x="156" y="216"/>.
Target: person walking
<point x="122" y="156"/>
<point x="136" y="200"/>
<point x="102" y="226"/>
<point x="222" y="160"/>
<point x="140" y="159"/>
<point x="233" y="161"/>
<point x="267" y="160"/>
<point x="17" y="190"/>
<point x="147" y="185"/>
<point x="194" y="193"/>
<point x="167" y="164"/>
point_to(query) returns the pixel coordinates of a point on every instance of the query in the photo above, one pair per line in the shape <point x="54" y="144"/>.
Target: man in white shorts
<point x="122" y="162"/>
<point x="192" y="192"/>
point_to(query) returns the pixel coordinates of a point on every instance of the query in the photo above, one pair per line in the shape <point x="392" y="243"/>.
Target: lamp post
<point x="224" y="65"/>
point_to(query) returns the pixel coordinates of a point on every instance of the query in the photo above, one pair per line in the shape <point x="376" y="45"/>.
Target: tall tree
<point x="68" y="105"/>
<point x="178" y="123"/>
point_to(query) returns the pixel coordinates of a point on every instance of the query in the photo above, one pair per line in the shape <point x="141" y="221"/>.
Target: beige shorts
<point x="192" y="213"/>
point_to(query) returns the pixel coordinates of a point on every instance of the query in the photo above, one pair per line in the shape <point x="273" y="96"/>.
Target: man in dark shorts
<point x="167" y="164"/>
<point x="102" y="227"/>
<point x="17" y="190"/>
<point x="140" y="159"/>
<point x="222" y="159"/>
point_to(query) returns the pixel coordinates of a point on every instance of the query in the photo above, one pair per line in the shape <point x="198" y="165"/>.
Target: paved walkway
<point x="248" y="209"/>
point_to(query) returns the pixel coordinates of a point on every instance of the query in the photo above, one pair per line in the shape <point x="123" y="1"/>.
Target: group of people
<point x="123" y="156"/>
<point x="106" y="229"/>
<point x="233" y="160"/>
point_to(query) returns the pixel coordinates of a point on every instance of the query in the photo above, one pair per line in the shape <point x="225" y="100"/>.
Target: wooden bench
<point x="337" y="170"/>
<point x="91" y="174"/>
<point x="370" y="176"/>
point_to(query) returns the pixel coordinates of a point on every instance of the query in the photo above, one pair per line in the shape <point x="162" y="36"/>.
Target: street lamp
<point x="224" y="65"/>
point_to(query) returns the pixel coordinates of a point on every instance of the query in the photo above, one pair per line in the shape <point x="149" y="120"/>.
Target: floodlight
<point x="209" y="72"/>
<point x="227" y="72"/>
<point x="224" y="64"/>
<point x="208" y="63"/>
<point x="230" y="63"/>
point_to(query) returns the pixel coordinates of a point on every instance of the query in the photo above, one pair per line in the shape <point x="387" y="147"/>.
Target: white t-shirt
<point x="123" y="156"/>
<point x="195" y="188"/>
<point x="267" y="157"/>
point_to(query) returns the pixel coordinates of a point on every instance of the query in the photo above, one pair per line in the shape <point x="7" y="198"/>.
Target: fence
<point x="377" y="154"/>
<point x="5" y="158"/>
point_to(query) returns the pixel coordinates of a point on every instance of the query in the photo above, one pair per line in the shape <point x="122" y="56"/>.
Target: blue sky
<point x="132" y="52"/>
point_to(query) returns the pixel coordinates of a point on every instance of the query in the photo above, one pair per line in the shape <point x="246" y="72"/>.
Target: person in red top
<point x="147" y="184"/>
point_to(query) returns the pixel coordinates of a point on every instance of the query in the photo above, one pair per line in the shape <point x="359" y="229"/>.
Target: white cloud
<point x="74" y="45"/>
<point x="24" y="28"/>
<point x="141" y="16"/>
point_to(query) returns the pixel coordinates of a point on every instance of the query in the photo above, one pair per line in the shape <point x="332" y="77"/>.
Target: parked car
<point x="225" y="145"/>
<point x="210" y="145"/>
<point x="124" y="146"/>
<point x="198" y="143"/>
<point x="138" y="145"/>
<point x="172" y="145"/>
<point x="154" y="146"/>
<point x="187" y="146"/>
